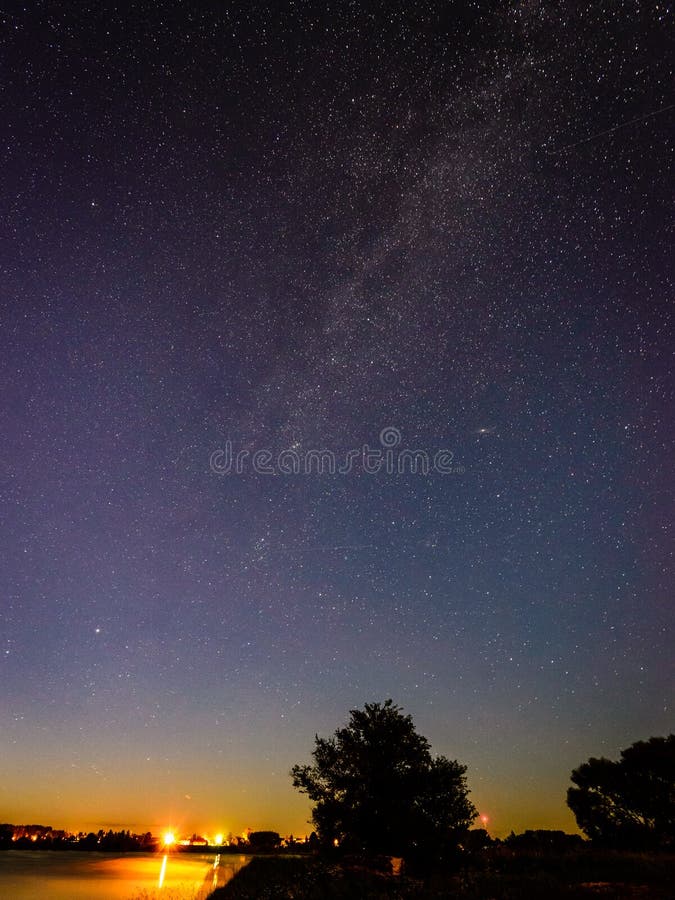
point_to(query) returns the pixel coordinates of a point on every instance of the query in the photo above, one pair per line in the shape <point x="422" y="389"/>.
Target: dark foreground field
<point x="580" y="876"/>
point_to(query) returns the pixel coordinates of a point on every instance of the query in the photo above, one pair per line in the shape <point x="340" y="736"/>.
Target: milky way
<point x="302" y="229"/>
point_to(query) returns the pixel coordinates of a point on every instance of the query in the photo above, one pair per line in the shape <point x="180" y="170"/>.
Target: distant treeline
<point x="44" y="837"/>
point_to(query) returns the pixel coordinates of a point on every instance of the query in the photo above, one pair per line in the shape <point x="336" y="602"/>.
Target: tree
<point x="377" y="789"/>
<point x="476" y="840"/>
<point x="264" y="841"/>
<point x="631" y="802"/>
<point x="6" y="835"/>
<point x="543" y="840"/>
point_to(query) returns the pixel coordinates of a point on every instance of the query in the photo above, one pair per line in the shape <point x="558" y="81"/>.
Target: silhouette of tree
<point x="629" y="803"/>
<point x="476" y="840"/>
<point x="543" y="840"/>
<point x="264" y="840"/>
<point x="147" y="841"/>
<point x="378" y="790"/>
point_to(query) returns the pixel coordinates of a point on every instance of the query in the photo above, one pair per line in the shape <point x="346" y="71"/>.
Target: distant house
<point x="195" y="841"/>
<point x="198" y="841"/>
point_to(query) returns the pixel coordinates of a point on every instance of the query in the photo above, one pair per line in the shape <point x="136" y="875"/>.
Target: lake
<point x="66" y="875"/>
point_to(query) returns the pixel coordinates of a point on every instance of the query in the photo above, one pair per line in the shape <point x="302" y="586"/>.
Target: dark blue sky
<point x="289" y="229"/>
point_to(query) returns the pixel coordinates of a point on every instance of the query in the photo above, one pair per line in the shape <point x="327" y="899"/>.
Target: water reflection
<point x="28" y="875"/>
<point x="162" y="871"/>
<point x="216" y="863"/>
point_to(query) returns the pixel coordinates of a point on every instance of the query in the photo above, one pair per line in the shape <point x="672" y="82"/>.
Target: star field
<point x="290" y="227"/>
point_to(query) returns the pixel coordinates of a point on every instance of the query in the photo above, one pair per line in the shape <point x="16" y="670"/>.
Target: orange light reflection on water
<point x="87" y="876"/>
<point x="162" y="872"/>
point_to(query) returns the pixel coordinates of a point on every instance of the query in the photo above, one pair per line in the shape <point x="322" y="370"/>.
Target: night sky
<point x="290" y="227"/>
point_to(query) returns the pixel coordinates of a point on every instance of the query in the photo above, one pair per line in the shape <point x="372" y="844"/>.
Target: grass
<point x="584" y="875"/>
<point x="306" y="878"/>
